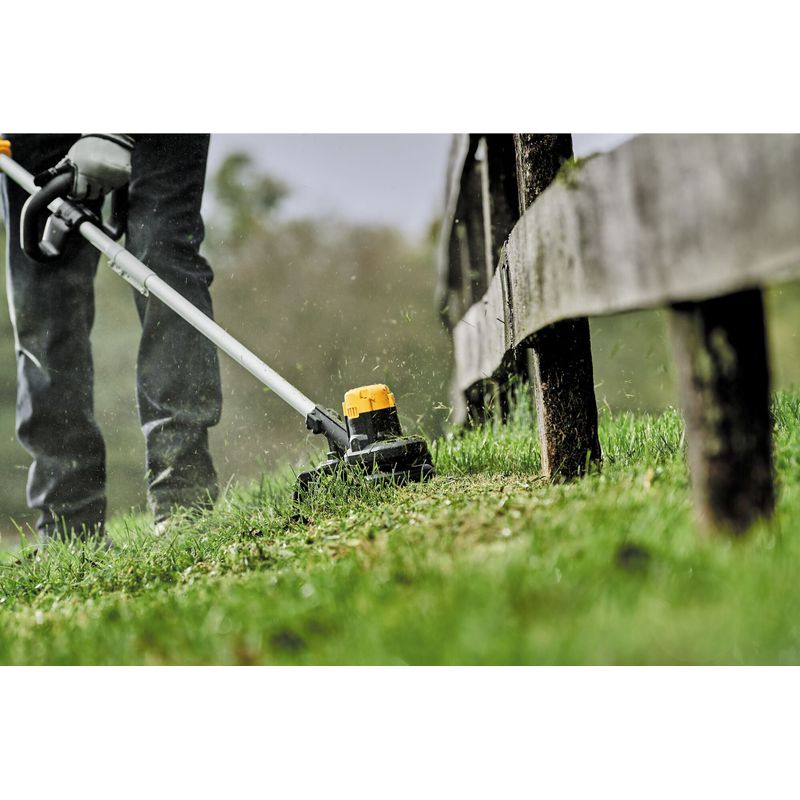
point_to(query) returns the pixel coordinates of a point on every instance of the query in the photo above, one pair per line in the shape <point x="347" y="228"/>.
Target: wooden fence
<point x="534" y="242"/>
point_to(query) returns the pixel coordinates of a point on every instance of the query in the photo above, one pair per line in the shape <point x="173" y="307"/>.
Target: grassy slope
<point x="486" y="564"/>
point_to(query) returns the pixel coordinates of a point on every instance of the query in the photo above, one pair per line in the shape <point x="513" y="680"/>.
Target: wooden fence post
<point x="723" y="373"/>
<point x="501" y="213"/>
<point x="561" y="366"/>
<point x="501" y="192"/>
<point x="489" y="208"/>
<point x="474" y="266"/>
<point x="471" y="213"/>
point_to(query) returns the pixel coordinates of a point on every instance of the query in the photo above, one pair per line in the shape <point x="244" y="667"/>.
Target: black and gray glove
<point x="100" y="163"/>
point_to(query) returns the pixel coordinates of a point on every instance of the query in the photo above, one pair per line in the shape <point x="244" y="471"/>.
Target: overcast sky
<point x="395" y="179"/>
<point x="382" y="178"/>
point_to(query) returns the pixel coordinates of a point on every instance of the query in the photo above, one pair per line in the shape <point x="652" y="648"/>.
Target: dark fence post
<point x="501" y="197"/>
<point x="474" y="266"/>
<point x="471" y="214"/>
<point x="562" y="354"/>
<point x="723" y="372"/>
<point x="501" y="212"/>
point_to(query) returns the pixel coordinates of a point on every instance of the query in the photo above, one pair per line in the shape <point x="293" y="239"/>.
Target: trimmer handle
<point x="35" y="241"/>
<point x="45" y="235"/>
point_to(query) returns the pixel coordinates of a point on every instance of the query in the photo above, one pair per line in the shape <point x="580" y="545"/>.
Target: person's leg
<point x="178" y="381"/>
<point x="52" y="311"/>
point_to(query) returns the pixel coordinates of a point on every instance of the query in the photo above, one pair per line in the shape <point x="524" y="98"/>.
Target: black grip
<point x="117" y="223"/>
<point x="35" y="213"/>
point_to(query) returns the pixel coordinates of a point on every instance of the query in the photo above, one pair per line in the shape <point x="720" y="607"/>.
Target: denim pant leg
<point x="178" y="380"/>
<point x="52" y="311"/>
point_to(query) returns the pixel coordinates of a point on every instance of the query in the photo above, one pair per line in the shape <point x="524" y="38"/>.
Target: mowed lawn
<point x="486" y="564"/>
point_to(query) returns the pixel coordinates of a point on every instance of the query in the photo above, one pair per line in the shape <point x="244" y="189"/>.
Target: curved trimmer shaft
<point x="370" y="449"/>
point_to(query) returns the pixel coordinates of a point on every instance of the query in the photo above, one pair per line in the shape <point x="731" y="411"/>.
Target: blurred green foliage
<point x="330" y="305"/>
<point x="245" y="198"/>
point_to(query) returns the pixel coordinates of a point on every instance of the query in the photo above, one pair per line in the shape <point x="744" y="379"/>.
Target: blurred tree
<point x="246" y="197"/>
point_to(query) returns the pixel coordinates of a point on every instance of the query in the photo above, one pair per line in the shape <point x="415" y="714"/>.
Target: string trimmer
<point x="369" y="440"/>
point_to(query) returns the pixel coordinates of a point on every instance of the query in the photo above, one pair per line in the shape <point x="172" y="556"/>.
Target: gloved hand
<point x="101" y="162"/>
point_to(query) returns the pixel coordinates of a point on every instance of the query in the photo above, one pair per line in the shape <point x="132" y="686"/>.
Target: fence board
<point x="662" y="219"/>
<point x="470" y="335"/>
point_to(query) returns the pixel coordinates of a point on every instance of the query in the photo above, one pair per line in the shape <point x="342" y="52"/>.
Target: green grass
<point x="486" y="564"/>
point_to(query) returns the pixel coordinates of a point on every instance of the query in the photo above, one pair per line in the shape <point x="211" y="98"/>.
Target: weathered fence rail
<point x="695" y="223"/>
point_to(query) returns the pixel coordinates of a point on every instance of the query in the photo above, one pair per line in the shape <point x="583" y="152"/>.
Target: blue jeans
<point x="52" y="310"/>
